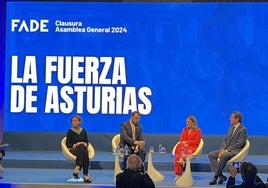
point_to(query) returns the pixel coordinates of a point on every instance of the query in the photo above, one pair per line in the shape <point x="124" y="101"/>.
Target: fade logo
<point x="32" y="25"/>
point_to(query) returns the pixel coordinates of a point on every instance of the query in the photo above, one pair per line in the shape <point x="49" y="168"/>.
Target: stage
<point x="40" y="169"/>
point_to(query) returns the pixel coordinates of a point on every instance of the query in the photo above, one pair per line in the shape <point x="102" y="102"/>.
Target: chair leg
<point x="153" y="173"/>
<point x="186" y="179"/>
<point x="117" y="168"/>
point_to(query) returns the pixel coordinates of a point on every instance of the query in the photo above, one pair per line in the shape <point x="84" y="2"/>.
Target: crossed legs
<point x="82" y="161"/>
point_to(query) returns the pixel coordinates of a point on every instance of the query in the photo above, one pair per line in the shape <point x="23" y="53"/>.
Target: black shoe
<point x="222" y="179"/>
<point x="89" y="180"/>
<point x="213" y="181"/>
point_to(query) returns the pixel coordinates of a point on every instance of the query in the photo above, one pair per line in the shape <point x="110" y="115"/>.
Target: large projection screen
<point x="105" y="60"/>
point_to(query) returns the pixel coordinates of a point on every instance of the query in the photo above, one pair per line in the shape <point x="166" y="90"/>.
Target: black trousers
<point x="82" y="159"/>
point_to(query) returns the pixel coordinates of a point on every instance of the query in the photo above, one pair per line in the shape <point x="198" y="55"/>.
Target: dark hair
<point x="248" y="172"/>
<point x="135" y="112"/>
<point x="238" y="115"/>
<point x="76" y="116"/>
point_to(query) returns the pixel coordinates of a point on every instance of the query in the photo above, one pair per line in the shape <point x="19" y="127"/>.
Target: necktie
<point x="133" y="132"/>
<point x="233" y="130"/>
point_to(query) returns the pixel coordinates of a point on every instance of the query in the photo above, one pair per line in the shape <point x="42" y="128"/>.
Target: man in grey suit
<point x="232" y="144"/>
<point x="131" y="136"/>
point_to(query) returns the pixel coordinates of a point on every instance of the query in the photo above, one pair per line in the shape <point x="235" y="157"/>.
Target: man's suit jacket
<point x="234" y="143"/>
<point x="258" y="183"/>
<point x="126" y="134"/>
<point x="131" y="179"/>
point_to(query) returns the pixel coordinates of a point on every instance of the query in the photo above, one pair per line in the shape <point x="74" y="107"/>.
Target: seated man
<point x="131" y="177"/>
<point x="249" y="177"/>
<point x="131" y="136"/>
<point x="232" y="144"/>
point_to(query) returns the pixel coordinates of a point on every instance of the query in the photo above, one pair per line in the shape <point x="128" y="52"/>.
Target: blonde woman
<point x="189" y="141"/>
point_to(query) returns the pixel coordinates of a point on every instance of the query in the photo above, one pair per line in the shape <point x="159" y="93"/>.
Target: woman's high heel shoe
<point x="87" y="180"/>
<point x="177" y="177"/>
<point x="75" y="175"/>
<point x="181" y="162"/>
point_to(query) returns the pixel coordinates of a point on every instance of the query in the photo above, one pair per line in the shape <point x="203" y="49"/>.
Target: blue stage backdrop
<point x="104" y="60"/>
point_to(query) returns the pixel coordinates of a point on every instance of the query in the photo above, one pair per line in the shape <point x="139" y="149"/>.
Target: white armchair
<point x="186" y="180"/>
<point x="117" y="168"/>
<point x="241" y="156"/>
<point x="70" y="157"/>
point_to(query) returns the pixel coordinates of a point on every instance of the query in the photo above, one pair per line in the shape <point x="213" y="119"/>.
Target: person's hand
<point x="135" y="149"/>
<point x="222" y="152"/>
<point x="232" y="171"/>
<point x="140" y="143"/>
<point x="78" y="143"/>
<point x="85" y="144"/>
<point x="185" y="144"/>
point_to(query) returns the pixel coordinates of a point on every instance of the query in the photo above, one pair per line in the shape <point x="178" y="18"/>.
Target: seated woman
<point x="77" y="142"/>
<point x="189" y="141"/>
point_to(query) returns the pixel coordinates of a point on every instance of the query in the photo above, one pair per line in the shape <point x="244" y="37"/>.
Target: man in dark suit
<point x="131" y="136"/>
<point x="131" y="177"/>
<point x="232" y="144"/>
